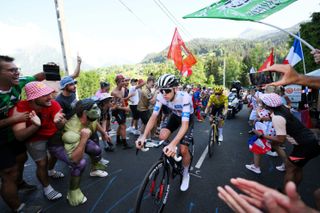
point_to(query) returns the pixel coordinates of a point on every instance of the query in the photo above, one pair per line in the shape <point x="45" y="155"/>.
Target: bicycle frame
<point x="159" y="177"/>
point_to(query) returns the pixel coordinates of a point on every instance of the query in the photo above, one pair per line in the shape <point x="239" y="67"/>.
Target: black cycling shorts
<point x="215" y="110"/>
<point x="120" y="116"/>
<point x="174" y="122"/>
<point x="301" y="154"/>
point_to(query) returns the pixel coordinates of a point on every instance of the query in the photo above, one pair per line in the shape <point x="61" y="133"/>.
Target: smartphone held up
<point x="262" y="78"/>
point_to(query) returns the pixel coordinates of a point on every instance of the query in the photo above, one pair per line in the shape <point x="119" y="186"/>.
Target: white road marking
<point x="202" y="157"/>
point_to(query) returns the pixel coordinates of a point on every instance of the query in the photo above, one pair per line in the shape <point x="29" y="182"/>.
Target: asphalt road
<point x="117" y="192"/>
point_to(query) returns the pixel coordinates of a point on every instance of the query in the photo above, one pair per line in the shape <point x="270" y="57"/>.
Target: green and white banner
<point x="247" y="10"/>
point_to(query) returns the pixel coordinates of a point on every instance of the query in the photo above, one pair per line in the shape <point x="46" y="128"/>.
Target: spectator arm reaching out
<point x="77" y="70"/>
<point x="290" y="76"/>
<point x="258" y="197"/>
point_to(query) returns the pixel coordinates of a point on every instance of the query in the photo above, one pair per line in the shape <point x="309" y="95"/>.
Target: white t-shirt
<point x="134" y="100"/>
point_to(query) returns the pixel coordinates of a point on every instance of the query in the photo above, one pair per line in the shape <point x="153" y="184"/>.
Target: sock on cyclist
<point x="185" y="170"/>
<point x="220" y="130"/>
<point x="185" y="179"/>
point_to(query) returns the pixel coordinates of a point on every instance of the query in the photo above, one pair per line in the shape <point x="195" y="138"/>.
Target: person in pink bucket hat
<point x="36" y="90"/>
<point x="45" y="118"/>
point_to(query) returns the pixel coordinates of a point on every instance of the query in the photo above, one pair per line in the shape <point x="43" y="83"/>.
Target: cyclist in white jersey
<point x="180" y="103"/>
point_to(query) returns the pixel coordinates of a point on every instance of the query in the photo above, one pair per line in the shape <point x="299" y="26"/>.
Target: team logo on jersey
<point x="178" y="106"/>
<point x="156" y="108"/>
<point x="185" y="114"/>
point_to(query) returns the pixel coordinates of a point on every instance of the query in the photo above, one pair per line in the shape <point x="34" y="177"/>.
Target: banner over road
<point x="250" y="10"/>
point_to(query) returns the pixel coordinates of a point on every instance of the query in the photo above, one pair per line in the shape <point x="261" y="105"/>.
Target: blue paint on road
<point x="87" y="186"/>
<point x="123" y="198"/>
<point x="104" y="191"/>
<point x="191" y="205"/>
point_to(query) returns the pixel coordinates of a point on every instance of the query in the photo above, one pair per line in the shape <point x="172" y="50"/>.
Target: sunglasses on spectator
<point x="166" y="90"/>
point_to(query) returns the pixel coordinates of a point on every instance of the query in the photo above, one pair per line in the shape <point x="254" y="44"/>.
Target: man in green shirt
<point x="12" y="153"/>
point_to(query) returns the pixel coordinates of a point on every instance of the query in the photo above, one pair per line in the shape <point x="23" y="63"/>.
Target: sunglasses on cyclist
<point x="218" y="93"/>
<point x="166" y="90"/>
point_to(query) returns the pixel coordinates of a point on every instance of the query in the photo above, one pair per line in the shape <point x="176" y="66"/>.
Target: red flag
<point x="179" y="53"/>
<point x="268" y="62"/>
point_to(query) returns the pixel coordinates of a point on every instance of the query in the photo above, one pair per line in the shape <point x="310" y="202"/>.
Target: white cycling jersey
<point x="181" y="105"/>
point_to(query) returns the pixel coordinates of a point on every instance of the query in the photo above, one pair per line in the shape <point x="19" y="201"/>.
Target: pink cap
<point x="37" y="89"/>
<point x="271" y="99"/>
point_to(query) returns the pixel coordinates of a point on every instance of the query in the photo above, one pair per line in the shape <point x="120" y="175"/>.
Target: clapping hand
<point x="59" y="117"/>
<point x="35" y="120"/>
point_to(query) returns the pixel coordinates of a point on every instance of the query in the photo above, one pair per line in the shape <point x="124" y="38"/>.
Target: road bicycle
<point x="213" y="135"/>
<point x="155" y="188"/>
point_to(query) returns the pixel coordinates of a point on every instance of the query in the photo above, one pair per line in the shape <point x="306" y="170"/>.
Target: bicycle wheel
<point x="154" y="191"/>
<point x="211" y="141"/>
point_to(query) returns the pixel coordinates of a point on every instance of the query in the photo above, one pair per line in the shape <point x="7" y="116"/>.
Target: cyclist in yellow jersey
<point x="218" y="103"/>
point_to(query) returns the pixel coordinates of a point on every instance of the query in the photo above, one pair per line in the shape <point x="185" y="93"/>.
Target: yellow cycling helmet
<point x="218" y="89"/>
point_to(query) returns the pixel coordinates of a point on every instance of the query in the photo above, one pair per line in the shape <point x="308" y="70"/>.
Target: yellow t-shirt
<point x="218" y="102"/>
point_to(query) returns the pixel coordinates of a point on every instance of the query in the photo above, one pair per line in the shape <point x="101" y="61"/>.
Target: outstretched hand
<point x="258" y="197"/>
<point x="289" y="74"/>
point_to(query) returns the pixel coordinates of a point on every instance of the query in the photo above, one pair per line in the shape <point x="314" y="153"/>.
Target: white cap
<point x="104" y="96"/>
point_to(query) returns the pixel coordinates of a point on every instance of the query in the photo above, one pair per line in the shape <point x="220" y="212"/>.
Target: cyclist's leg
<point x="220" y="124"/>
<point x="186" y="142"/>
<point x="168" y="126"/>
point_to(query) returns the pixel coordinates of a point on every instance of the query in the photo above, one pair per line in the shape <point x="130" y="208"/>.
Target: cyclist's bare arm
<point x="152" y="121"/>
<point x="207" y="108"/>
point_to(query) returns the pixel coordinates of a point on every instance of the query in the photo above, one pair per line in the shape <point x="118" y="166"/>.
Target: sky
<point x="123" y="31"/>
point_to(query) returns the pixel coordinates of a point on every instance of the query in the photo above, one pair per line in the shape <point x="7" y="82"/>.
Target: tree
<point x="88" y="84"/>
<point x="310" y="32"/>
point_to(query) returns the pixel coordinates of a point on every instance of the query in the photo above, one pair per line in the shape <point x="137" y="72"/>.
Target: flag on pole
<point x="180" y="54"/>
<point x="268" y="62"/>
<point x="295" y="54"/>
<point x="247" y="10"/>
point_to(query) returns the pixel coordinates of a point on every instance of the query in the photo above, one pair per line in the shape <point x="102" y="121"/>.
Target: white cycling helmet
<point x="271" y="100"/>
<point x="167" y="81"/>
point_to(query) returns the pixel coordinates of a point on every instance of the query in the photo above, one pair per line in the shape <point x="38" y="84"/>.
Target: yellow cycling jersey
<point x="222" y="100"/>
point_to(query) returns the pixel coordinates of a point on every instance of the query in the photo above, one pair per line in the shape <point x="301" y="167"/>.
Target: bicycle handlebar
<point x="148" y="145"/>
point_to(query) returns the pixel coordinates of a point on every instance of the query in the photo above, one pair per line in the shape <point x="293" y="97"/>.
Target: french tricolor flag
<point x="295" y="54"/>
